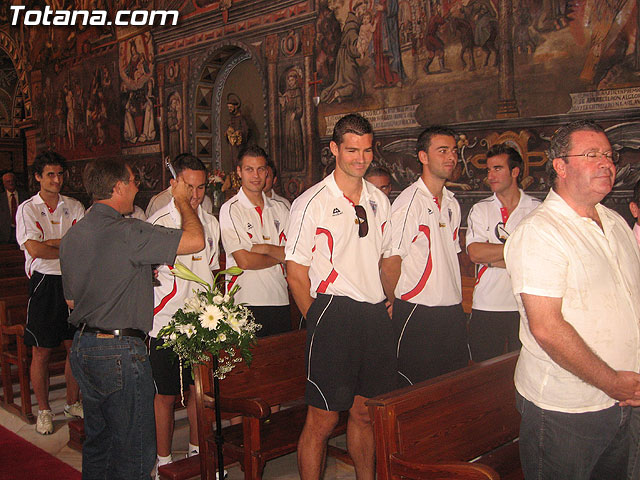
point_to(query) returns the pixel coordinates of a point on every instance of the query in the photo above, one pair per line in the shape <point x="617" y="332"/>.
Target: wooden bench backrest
<point x="458" y="416"/>
<point x="277" y="373"/>
<point x="13" y="310"/>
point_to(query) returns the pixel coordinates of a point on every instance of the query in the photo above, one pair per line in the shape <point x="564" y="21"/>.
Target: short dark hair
<point x="561" y="143"/>
<point x="272" y="166"/>
<point x="352" y="123"/>
<point x="513" y="157"/>
<point x="186" y="161"/>
<point x="48" y="157"/>
<point x="377" y="171"/>
<point x="251" y="150"/>
<point x="424" y="140"/>
<point x="100" y="177"/>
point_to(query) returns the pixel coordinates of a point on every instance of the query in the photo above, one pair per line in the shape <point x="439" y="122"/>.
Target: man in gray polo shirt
<point x="106" y="273"/>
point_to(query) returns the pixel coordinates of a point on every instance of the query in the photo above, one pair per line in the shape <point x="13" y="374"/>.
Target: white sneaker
<point x="44" y="423"/>
<point x="74" y="411"/>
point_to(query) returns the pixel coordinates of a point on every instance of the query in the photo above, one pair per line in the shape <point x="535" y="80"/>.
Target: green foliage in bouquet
<point x="210" y="322"/>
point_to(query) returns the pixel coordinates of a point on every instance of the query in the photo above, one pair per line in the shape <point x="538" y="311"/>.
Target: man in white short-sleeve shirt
<point x="421" y="274"/>
<point x="253" y="236"/>
<point x="336" y="238"/>
<point x="495" y="321"/>
<point x="168" y="297"/>
<point x="161" y="199"/>
<point x="575" y="270"/>
<point x="41" y="222"/>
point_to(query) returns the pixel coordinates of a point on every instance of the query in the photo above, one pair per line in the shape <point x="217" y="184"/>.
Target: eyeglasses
<point x="613" y="156"/>
<point x="135" y="180"/>
<point x="361" y="220"/>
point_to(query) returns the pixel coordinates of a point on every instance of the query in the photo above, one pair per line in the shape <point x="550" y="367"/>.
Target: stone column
<point x="271" y="52"/>
<point x="507" y="106"/>
<point x="308" y="39"/>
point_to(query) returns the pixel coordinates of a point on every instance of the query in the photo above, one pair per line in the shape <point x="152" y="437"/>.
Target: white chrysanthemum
<point x="211" y="316"/>
<point x="193" y="305"/>
<point x="218" y="299"/>
<point x="188" y="329"/>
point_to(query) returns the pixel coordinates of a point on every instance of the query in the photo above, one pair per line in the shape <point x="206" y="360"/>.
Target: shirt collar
<point x="175" y="214"/>
<point x="559" y="205"/>
<point x="246" y="203"/>
<point x="37" y="199"/>
<point x="103" y="209"/>
<point x="334" y="189"/>
<point x="447" y="195"/>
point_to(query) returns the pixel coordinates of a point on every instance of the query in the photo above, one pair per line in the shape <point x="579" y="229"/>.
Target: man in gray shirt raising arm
<point x="106" y="263"/>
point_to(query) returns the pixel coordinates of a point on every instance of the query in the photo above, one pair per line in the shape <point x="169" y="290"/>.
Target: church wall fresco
<point x="107" y="92"/>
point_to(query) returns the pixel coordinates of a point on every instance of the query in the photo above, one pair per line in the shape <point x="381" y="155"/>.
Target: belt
<point x="123" y="332"/>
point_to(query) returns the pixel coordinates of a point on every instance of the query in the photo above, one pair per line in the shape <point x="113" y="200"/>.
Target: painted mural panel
<point x="443" y="54"/>
<point x="79" y="109"/>
<point x="139" y="95"/>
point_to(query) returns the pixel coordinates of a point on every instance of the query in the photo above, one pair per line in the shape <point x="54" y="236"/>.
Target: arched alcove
<point x="227" y="72"/>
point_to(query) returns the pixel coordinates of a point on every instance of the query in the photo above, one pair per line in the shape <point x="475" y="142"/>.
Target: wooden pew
<point x="460" y="425"/>
<point x="277" y="376"/>
<point x="14" y="353"/>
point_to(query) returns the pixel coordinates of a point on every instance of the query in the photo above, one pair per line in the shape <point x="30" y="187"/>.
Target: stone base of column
<point x="507" y="109"/>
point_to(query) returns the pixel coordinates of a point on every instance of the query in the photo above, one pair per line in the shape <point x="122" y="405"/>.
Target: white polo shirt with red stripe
<point x="323" y="235"/>
<point x="489" y="222"/>
<point x="34" y="221"/>
<point x="243" y="225"/>
<point x="425" y="236"/>
<point x="172" y="292"/>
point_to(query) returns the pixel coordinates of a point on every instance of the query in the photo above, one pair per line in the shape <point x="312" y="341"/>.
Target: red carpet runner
<point x="20" y="459"/>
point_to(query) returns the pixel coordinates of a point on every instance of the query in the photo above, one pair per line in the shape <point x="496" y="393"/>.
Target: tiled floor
<point x="284" y="468"/>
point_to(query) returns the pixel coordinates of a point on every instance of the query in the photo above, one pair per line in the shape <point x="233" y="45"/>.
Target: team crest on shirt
<point x="42" y="213"/>
<point x="276" y="222"/>
<point x="336" y="211"/>
<point x="210" y="242"/>
<point x="430" y="211"/>
<point x="249" y="225"/>
<point x="66" y="212"/>
<point x="374" y="206"/>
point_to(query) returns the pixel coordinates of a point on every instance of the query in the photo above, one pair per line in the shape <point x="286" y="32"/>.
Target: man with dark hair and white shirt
<point x="252" y="228"/>
<point x="169" y="296"/>
<point x="41" y="222"/>
<point x="422" y="274"/>
<point x="495" y="320"/>
<point x="336" y="239"/>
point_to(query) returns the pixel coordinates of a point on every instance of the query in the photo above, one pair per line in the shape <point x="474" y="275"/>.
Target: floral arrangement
<point x="210" y="322"/>
<point x="217" y="180"/>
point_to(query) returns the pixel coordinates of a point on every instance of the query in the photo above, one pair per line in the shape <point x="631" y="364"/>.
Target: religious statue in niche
<point x="291" y="107"/>
<point x="237" y="132"/>
<point x="174" y="123"/>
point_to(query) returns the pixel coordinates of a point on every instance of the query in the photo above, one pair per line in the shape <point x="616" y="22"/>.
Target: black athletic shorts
<point x="350" y="352"/>
<point x="493" y="333"/>
<point x="273" y="318"/>
<point x="47" y="312"/>
<point x="431" y="341"/>
<point x="165" y="367"/>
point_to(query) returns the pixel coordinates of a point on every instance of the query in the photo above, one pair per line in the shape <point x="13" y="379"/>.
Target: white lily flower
<point x="218" y="299"/>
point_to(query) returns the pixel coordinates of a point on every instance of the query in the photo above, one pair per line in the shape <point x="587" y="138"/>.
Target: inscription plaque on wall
<point x="614" y="99"/>
<point x="390" y="118"/>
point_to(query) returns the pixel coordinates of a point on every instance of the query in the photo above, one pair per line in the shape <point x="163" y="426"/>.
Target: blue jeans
<point x="573" y="446"/>
<point x="115" y="379"/>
